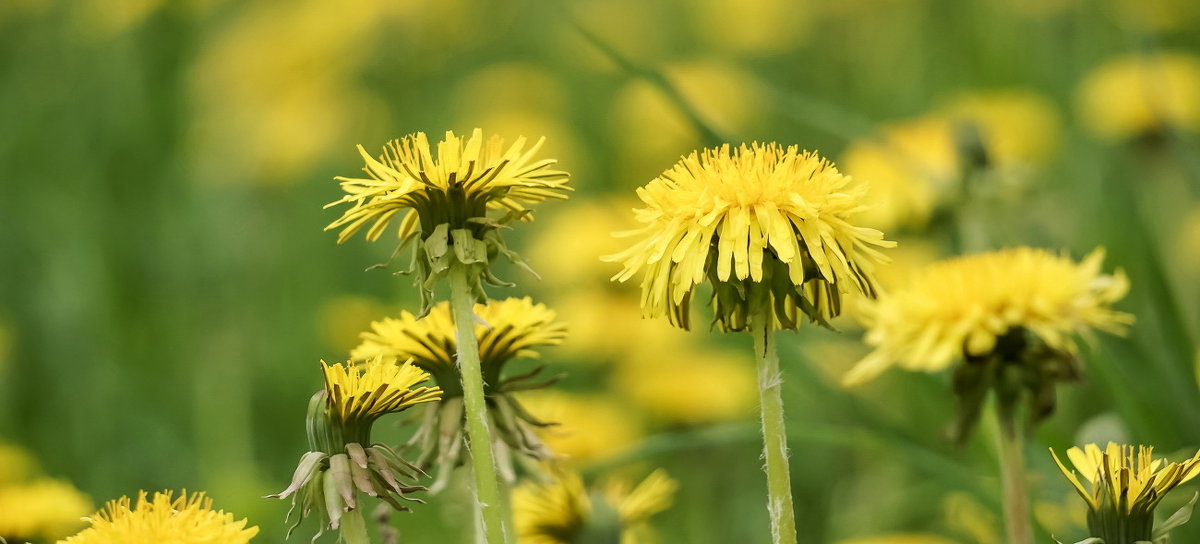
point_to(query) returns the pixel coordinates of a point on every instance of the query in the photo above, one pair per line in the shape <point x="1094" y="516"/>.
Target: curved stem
<point x="1012" y="475"/>
<point x="487" y="485"/>
<point x="770" y="381"/>
<point x="353" y="528"/>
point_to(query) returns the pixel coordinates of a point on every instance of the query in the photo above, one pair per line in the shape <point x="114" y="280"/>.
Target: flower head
<point x="754" y="214"/>
<point x="164" y="518"/>
<point x="966" y="305"/>
<point x="342" y="461"/>
<point x="563" y="510"/>
<point x="1141" y="95"/>
<point x="41" y="510"/>
<point x="445" y="199"/>
<point x="510" y="329"/>
<point x="1124" y="486"/>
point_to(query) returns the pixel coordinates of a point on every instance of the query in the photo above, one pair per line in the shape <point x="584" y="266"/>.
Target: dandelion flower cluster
<point x="752" y="214"/>
<point x="507" y="330"/>
<point x="963" y="306"/>
<point x="186" y="519"/>
<point x="563" y="510"/>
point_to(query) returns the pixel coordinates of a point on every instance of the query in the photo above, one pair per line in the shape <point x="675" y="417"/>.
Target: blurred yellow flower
<point x="754" y="26"/>
<point x="563" y="511"/>
<point x="689" y="386"/>
<point x="725" y="94"/>
<point x="361" y="393"/>
<point x="16" y="464"/>
<point x="600" y="317"/>
<point x="41" y="510"/>
<point x="183" y="520"/>
<point x="1122" y="478"/>
<point x="966" y="516"/>
<point x="961" y="306"/>
<point x="341" y="318"/>
<point x="755" y="214"/>
<point x="274" y="91"/>
<point x="1017" y="126"/>
<point x="586" y="427"/>
<point x="567" y="250"/>
<point x="1139" y="95"/>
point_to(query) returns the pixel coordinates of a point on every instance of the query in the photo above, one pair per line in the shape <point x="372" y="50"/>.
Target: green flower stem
<point x="1012" y="474"/>
<point x="770" y="381"/>
<point x="487" y="485"/>
<point x="354" y="529"/>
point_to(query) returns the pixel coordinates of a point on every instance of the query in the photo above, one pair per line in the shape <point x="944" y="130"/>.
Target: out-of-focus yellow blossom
<point x="41" y="510"/>
<point x="910" y="258"/>
<point x="631" y="27"/>
<point x="687" y="385"/>
<point x="186" y="519"/>
<point x="754" y="26"/>
<point x="1138" y="95"/>
<point x="566" y="251"/>
<point x="910" y="167"/>
<point x="340" y="319"/>
<point x="563" y="511"/>
<point x="649" y="129"/>
<point x="16" y="464"/>
<point x="587" y="427"/>
<point x="608" y="325"/>
<point x="899" y="539"/>
<point x="756" y="214"/>
<point x="1061" y="517"/>
<point x="274" y="90"/>
<point x="966" y="516"/>
<point x="961" y="306"/>
<point x="1017" y="126"/>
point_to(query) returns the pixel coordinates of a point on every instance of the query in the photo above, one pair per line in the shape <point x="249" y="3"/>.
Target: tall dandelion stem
<point x="779" y="481"/>
<point x="1012" y="475"/>
<point x="487" y="485"/>
<point x="354" y="528"/>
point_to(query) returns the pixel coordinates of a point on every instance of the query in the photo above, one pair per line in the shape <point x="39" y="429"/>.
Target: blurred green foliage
<point x="167" y="290"/>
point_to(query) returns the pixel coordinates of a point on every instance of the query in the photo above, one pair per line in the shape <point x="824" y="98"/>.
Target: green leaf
<point x="1180" y="517"/>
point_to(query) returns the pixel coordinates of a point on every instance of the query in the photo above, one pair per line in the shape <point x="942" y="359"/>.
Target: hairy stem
<point x="487" y="485"/>
<point x="775" y="452"/>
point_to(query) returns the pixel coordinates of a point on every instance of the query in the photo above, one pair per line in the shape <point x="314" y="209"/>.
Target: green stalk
<point x="354" y="529"/>
<point x="1012" y="475"/>
<point x="487" y="485"/>
<point x="770" y="381"/>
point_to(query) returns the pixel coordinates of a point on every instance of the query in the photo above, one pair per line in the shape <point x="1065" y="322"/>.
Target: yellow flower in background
<point x="16" y="464"/>
<point x="725" y="94"/>
<point x="1016" y="126"/>
<point x="600" y="315"/>
<point x="685" y="385"/>
<point x="1140" y="95"/>
<point x="586" y="427"/>
<point x="41" y="510"/>
<point x="1123" y="478"/>
<point x="568" y="248"/>
<point x="341" y="318"/>
<point x="965" y="516"/>
<point x="453" y="185"/>
<point x="962" y="306"/>
<point x="755" y="214"/>
<point x="904" y="191"/>
<point x="364" y="392"/>
<point x="186" y="519"/>
<point x="563" y="510"/>
<point x="754" y="26"/>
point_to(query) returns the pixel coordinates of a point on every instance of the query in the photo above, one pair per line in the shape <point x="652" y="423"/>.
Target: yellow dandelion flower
<point x="754" y="214"/>
<point x="1141" y="95"/>
<point x="458" y="183"/>
<point x="16" y="464"/>
<point x="509" y="329"/>
<point x="962" y="307"/>
<point x="164" y="518"/>
<point x="363" y="393"/>
<point x="685" y="385"/>
<point x="1017" y="126"/>
<point x="1125" y="485"/>
<point x="563" y="510"/>
<point x="41" y="510"/>
<point x="586" y="427"/>
<point x="445" y="197"/>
